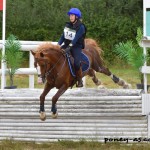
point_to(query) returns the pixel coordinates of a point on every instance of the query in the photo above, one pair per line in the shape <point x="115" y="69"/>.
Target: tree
<point x="13" y="57"/>
<point x="107" y="21"/>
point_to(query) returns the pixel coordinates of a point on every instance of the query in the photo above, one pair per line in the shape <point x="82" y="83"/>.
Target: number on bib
<point x="69" y="34"/>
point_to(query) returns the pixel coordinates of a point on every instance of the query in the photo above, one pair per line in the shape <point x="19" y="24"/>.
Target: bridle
<point x="47" y="73"/>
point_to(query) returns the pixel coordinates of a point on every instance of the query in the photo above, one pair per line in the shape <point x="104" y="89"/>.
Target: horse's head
<point x="47" y="56"/>
<point x="41" y="63"/>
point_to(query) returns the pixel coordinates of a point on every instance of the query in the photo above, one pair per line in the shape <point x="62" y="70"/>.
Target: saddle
<point x="85" y="63"/>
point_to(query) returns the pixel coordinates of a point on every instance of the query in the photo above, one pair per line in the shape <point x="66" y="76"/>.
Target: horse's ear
<point x="33" y="53"/>
<point x="41" y="54"/>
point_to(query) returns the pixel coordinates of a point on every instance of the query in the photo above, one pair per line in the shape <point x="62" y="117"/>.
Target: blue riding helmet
<point x="75" y="11"/>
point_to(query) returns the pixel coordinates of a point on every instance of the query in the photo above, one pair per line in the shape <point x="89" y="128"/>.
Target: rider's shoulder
<point x="82" y="26"/>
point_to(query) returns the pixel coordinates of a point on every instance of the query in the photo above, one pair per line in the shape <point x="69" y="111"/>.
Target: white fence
<point x="90" y="114"/>
<point x="145" y="42"/>
<point x="31" y="71"/>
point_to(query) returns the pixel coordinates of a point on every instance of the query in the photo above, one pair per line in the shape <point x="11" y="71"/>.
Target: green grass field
<point x="122" y="71"/>
<point x="70" y="145"/>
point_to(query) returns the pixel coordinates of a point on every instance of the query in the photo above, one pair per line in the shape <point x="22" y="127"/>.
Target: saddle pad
<point x="85" y="63"/>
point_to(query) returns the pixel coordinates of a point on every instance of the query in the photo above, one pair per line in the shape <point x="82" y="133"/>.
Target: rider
<point x="73" y="40"/>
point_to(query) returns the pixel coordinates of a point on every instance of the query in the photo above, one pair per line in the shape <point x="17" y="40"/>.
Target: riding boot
<point x="79" y="78"/>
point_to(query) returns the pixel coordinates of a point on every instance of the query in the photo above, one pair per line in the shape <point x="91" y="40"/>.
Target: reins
<point x="48" y="72"/>
<point x="51" y="69"/>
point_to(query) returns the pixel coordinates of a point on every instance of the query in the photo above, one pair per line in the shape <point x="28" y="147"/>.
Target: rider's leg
<point x="79" y="77"/>
<point x="76" y="53"/>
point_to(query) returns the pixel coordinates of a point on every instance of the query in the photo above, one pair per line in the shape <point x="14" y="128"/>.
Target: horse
<point x="55" y="71"/>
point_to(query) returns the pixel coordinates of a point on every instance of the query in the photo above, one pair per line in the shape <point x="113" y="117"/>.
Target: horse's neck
<point x="56" y="57"/>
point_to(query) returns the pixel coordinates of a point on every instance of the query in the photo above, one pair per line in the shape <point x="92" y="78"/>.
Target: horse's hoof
<point x="121" y="82"/>
<point x="43" y="116"/>
<point x="98" y="83"/>
<point x="127" y="86"/>
<point x="101" y="87"/>
<point x="54" y="116"/>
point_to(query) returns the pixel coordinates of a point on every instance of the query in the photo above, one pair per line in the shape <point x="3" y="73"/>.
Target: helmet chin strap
<point x="76" y="19"/>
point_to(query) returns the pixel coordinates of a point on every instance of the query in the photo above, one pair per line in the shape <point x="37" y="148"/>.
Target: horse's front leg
<point x="55" y="98"/>
<point x="47" y="88"/>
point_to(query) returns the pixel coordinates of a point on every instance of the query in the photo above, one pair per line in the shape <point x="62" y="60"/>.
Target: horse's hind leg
<point x="116" y="79"/>
<point x="92" y="74"/>
<point x="47" y="88"/>
<point x="55" y="98"/>
<point x="99" y="67"/>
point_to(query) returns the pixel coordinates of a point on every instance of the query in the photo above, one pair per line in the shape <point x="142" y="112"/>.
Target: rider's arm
<point x="61" y="40"/>
<point x="79" y="34"/>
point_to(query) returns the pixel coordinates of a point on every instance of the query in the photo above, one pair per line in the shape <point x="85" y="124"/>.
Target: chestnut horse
<point x="54" y="69"/>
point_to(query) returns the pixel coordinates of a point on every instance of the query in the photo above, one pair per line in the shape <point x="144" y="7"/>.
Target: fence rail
<point x="90" y="114"/>
<point x="31" y="71"/>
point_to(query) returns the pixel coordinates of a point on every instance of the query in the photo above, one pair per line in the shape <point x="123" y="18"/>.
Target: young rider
<point x="72" y="40"/>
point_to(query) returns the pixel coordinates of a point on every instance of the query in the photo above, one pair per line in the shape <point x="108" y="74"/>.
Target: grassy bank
<point x="70" y="145"/>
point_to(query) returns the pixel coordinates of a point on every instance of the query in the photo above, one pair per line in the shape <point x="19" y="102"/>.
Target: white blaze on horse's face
<point x="38" y="70"/>
<point x="39" y="80"/>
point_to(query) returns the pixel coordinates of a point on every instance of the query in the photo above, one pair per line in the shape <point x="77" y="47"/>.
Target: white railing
<point x="145" y="43"/>
<point x="31" y="71"/>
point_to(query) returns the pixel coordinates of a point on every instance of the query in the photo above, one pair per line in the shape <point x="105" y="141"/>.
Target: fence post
<point x="148" y="126"/>
<point x="31" y="65"/>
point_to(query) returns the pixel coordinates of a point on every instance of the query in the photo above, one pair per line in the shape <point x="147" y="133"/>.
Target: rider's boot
<point x="79" y="78"/>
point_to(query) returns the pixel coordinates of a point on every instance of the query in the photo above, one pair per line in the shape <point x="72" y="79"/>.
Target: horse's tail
<point x="98" y="63"/>
<point x="92" y="43"/>
<point x="92" y="46"/>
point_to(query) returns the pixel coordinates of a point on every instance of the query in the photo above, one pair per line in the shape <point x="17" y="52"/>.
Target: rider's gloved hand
<point x="67" y="50"/>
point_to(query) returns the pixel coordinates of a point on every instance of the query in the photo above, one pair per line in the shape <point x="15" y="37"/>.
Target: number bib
<point x="69" y="34"/>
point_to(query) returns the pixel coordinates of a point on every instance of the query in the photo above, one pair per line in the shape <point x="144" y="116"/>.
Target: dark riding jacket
<point x="74" y="34"/>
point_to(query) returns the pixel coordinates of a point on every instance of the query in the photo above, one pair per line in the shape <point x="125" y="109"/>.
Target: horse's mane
<point x="47" y="46"/>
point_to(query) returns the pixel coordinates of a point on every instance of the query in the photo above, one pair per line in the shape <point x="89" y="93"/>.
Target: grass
<point x="70" y="145"/>
<point x="122" y="72"/>
<point x="125" y="72"/>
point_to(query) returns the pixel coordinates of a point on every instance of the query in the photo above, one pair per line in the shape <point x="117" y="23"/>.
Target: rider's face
<point x="72" y="18"/>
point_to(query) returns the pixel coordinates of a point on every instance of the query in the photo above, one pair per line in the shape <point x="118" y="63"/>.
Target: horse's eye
<point x="41" y="54"/>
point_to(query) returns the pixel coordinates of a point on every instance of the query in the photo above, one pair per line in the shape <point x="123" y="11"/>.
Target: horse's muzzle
<point x="43" y="78"/>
